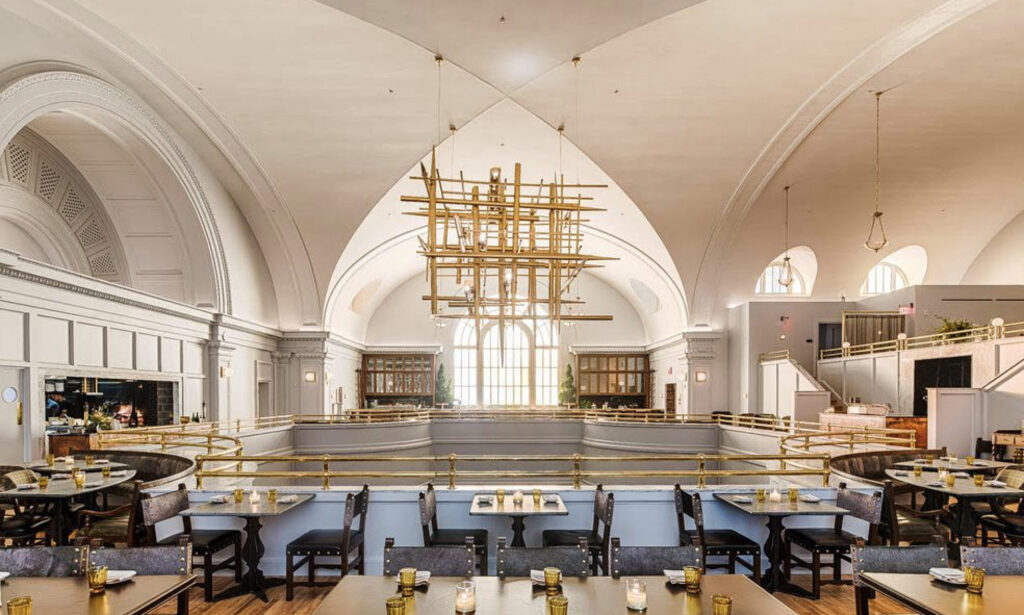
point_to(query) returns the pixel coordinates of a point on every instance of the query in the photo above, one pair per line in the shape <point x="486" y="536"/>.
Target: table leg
<point x="253" y="582"/>
<point x="58" y="526"/>
<point x="183" y="603"/>
<point x="964" y="524"/>
<point x="518" y="525"/>
<point x="775" y="548"/>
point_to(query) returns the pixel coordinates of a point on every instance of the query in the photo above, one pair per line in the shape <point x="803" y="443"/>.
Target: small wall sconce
<point x="700" y="375"/>
<point x="226" y="371"/>
<point x="309" y="376"/>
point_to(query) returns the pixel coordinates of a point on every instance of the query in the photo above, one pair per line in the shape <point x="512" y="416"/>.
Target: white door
<point x="12" y="444"/>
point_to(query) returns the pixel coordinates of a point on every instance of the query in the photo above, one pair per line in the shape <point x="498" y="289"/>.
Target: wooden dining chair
<point x="574" y="561"/>
<point x="117" y="526"/>
<point x="67" y="561"/>
<point x="345" y="543"/>
<point x="903" y="524"/>
<point x="715" y="543"/>
<point x="440" y="560"/>
<point x="907" y="560"/>
<point x="205" y="543"/>
<point x="835" y="541"/>
<point x="435" y="537"/>
<point x="652" y="561"/>
<point x="598" y="536"/>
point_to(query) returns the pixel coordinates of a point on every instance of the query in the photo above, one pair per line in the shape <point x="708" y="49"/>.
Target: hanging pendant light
<point x="786" y="275"/>
<point x="876" y="234"/>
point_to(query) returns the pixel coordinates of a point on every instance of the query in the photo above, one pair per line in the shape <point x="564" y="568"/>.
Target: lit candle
<point x="517" y="497"/>
<point x="465" y="597"/>
<point x="254" y="497"/>
<point x="636" y="595"/>
<point x="775" y="496"/>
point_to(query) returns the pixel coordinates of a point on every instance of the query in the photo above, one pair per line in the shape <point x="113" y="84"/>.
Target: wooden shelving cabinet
<point x="615" y="379"/>
<point x="397" y="379"/>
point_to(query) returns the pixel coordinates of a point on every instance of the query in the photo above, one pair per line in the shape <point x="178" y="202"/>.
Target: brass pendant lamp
<point x="877" y="238"/>
<point x="786" y="275"/>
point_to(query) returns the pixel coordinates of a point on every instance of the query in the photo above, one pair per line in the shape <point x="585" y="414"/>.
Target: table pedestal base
<point x="518" y="526"/>
<point x="775" y="579"/>
<point x="253" y="582"/>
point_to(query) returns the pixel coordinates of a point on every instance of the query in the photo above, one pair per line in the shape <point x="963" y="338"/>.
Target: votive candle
<point x="636" y="595"/>
<point x="465" y="597"/>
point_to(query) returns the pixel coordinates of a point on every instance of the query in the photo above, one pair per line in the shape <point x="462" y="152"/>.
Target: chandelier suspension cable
<point x="878" y="150"/>
<point x="437" y="122"/>
<point x="576" y="69"/>
<point x="876" y="242"/>
<point x="787" y="222"/>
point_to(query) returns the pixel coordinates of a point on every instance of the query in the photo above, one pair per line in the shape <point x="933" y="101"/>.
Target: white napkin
<point x="920" y="461"/>
<point x="550" y="498"/>
<point x="25" y="486"/>
<point x="119" y="576"/>
<point x="995" y="483"/>
<point x="485" y="499"/>
<point x="537" y="576"/>
<point x="961" y="474"/>
<point x="949" y="575"/>
<point x="93" y="483"/>
<point x="287" y="499"/>
<point x="60" y="477"/>
<point x="936" y="483"/>
<point x="4" y="575"/>
<point x="422" y="578"/>
<point x="119" y="472"/>
<point x="675" y="577"/>
<point x="810" y="499"/>
<point x="220" y="499"/>
<point x="742" y="499"/>
<point x="100" y="462"/>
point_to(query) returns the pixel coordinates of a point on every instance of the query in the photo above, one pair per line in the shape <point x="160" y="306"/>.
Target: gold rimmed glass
<point x="975" y="578"/>
<point x="721" y="604"/>
<point x="97" y="579"/>
<point x="691" y="576"/>
<point x="407" y="580"/>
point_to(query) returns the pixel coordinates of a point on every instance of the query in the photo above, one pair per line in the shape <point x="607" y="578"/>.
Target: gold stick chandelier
<point x="500" y="249"/>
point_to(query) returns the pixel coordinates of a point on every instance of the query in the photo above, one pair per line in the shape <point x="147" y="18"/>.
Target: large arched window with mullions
<point x="519" y="370"/>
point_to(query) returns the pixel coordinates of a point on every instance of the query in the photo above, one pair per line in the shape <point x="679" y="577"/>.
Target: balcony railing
<point x="977" y="334"/>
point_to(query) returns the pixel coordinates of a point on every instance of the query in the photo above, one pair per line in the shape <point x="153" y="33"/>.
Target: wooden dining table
<point x="518" y="512"/>
<point x="70" y="595"/>
<point x="923" y="594"/>
<point x="960" y="465"/>
<point x="519" y="596"/>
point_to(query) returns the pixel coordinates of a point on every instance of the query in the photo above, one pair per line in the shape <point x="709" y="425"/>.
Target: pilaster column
<point x="219" y="355"/>
<point x="701" y="377"/>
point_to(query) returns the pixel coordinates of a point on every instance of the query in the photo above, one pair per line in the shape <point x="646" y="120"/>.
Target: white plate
<point x="116" y="577"/>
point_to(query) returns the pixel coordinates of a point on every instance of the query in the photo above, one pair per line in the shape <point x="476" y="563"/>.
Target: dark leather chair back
<point x="428" y="513"/>
<point x="44" y="561"/>
<point x="652" y="561"/>
<point x="689" y="505"/>
<point x="171" y="559"/>
<point x="519" y="561"/>
<point x="910" y="560"/>
<point x="604" y="507"/>
<point x="443" y="561"/>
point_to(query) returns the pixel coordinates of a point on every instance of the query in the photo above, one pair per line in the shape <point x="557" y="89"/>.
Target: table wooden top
<point x="924" y="594"/>
<point x="594" y="596"/>
<point x="70" y="595"/>
<point x="960" y="465"/>
<point x="785" y="508"/>
<point x="963" y="487"/>
<point x="246" y="509"/>
<point x="39" y="466"/>
<point x="65" y="488"/>
<point x="526" y="509"/>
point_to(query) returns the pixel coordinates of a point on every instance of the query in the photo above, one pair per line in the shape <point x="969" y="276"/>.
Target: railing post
<point x="238" y="425"/>
<point x="327" y="473"/>
<point x="913" y="439"/>
<point x="163" y="441"/>
<point x="782" y="452"/>
<point x="851" y="435"/>
<point x="209" y="443"/>
<point x="451" y="471"/>
<point x="702" y="480"/>
<point x="826" y="465"/>
<point x="199" y="471"/>
<point x="238" y="465"/>
<point x="577" y="470"/>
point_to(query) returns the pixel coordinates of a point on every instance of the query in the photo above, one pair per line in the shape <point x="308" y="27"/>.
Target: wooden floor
<point x="835" y="600"/>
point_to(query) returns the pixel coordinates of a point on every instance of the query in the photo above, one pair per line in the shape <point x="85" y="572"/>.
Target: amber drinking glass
<point x="975" y="578"/>
<point x="759" y="495"/>
<point x="239" y="496"/>
<point x="79" y="478"/>
<point x="536" y="496"/>
<point x="49" y="459"/>
<point x="918" y="471"/>
<point x="97" y="579"/>
<point x="44" y="482"/>
<point x="721" y="604"/>
<point x="395" y="605"/>
<point x="500" y="494"/>
<point x="552" y="576"/>
<point x="22" y="605"/>
<point x="105" y="471"/>
<point x="794" y="495"/>
<point x="970" y="460"/>
<point x="950" y="479"/>
<point x="272" y="496"/>
<point x="407" y="579"/>
<point x="90" y="460"/>
<point x="979" y="480"/>
<point x="691" y="576"/>
<point x="558" y="605"/>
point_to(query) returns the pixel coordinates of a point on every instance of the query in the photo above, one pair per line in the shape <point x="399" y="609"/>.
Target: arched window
<point x="884" y="278"/>
<point x="768" y="283"/>
<point x="528" y="375"/>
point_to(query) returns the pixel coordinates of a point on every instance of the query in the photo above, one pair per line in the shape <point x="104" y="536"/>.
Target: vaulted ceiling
<point x="699" y="111"/>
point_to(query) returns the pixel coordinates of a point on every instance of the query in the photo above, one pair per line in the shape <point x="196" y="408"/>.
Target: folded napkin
<point x="100" y="462"/>
<point x="936" y="483"/>
<point x="485" y="499"/>
<point x="25" y="486"/>
<point x="422" y="578"/>
<point x="961" y="474"/>
<point x="949" y="575"/>
<point x="60" y="477"/>
<point x="675" y="577"/>
<point x="742" y="499"/>
<point x="4" y="575"/>
<point x="115" y="577"/>
<point x="995" y="483"/>
<point x="287" y="499"/>
<point x="537" y="576"/>
<point x="93" y="483"/>
<point x="810" y="499"/>
<point x="220" y="499"/>
<point x="901" y="473"/>
<point x="920" y="461"/>
<point x="550" y="498"/>
<point x="119" y="472"/>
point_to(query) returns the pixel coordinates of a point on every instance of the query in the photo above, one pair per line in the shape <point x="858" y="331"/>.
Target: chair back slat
<point x="651" y="561"/>
<point x="44" y="561"/>
<point x="164" y="506"/>
<point x="171" y="559"/>
<point x="860" y="505"/>
<point x="995" y="560"/>
<point x="908" y="560"/>
<point x="355" y="507"/>
<point x="574" y="561"/>
<point x="441" y="561"/>
<point x="689" y="505"/>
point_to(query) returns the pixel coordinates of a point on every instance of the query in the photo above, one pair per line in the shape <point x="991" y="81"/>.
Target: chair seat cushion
<point x="112" y="529"/>
<point x="458" y="537"/>
<point x="322" y="542"/>
<point x="821" y="539"/>
<point x="207" y="541"/>
<point x="912" y="529"/>
<point x="1005" y="524"/>
<point x="725" y="541"/>
<point x="569" y="538"/>
<point x="23" y="525"/>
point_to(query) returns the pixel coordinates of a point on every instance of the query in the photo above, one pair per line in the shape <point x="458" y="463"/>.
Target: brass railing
<point x="977" y="334"/>
<point x="775" y="355"/>
<point x="573" y="469"/>
<point x="848" y="438"/>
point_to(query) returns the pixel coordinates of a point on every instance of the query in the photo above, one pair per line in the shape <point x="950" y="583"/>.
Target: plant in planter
<point x="567" y="388"/>
<point x="954" y="329"/>
<point x="443" y="387"/>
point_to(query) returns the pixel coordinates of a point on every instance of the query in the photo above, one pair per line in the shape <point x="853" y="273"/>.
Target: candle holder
<point x="395" y="605"/>
<point x="255" y="497"/>
<point x="97" y="579"/>
<point x="794" y="495"/>
<point x="775" y="496"/>
<point x="636" y="595"/>
<point x="975" y="578"/>
<point x="558" y="605"/>
<point x="465" y="597"/>
<point x="721" y="604"/>
<point x="21" y="605"/>
<point x="691" y="576"/>
<point x="552" y="576"/>
<point x="407" y="580"/>
<point x="239" y="496"/>
<point x="44" y="482"/>
<point x="979" y="480"/>
<point x="517" y="498"/>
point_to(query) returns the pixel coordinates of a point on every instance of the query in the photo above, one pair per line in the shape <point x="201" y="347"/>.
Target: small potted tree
<point x="567" y="388"/>
<point x="442" y="388"/>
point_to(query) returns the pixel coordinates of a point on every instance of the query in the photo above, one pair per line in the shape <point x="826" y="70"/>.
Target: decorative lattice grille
<point x="17" y="162"/>
<point x="73" y="206"/>
<point x="48" y="180"/>
<point x="91" y="234"/>
<point x="103" y="264"/>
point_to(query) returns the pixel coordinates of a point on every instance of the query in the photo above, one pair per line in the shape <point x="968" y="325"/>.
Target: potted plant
<point x="442" y="387"/>
<point x="567" y="388"/>
<point x="951" y="329"/>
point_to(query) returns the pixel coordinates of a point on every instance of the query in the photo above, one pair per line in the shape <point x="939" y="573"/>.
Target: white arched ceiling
<point x="911" y="260"/>
<point x="804" y="261"/>
<point x="383" y="252"/>
<point x="693" y="114"/>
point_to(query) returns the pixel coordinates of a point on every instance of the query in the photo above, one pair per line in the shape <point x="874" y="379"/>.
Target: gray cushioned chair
<point x="441" y="561"/>
<point x="997" y="561"/>
<point x="915" y="559"/>
<point x="652" y="561"/>
<point x="574" y="561"/>
<point x="44" y="561"/>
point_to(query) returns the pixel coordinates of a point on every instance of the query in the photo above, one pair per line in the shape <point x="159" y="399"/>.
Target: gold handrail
<point x="453" y="473"/>
<point x="976" y="334"/>
<point x="775" y="355"/>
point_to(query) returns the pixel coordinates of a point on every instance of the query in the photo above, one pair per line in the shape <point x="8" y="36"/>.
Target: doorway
<point x="670" y="398"/>
<point x="947" y="373"/>
<point x="830" y="335"/>
<point x="12" y="399"/>
<point x="263" y="405"/>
